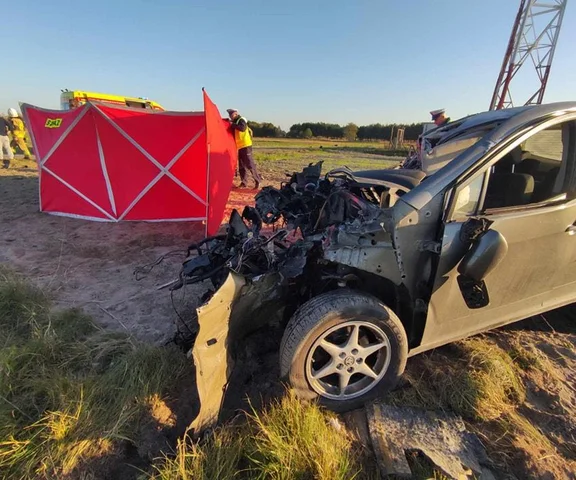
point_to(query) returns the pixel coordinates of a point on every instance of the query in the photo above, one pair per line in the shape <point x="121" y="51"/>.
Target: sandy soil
<point x="90" y="265"/>
<point x="550" y="402"/>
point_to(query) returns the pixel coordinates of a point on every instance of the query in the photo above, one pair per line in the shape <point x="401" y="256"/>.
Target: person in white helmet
<point x="5" y="150"/>
<point x="19" y="132"/>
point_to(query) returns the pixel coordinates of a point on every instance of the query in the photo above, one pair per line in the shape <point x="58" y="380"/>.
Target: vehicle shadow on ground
<point x="158" y="432"/>
<point x="255" y="379"/>
<point x="561" y="320"/>
<point x="253" y="385"/>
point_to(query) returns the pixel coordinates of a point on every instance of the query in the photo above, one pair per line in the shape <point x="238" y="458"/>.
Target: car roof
<point x="509" y="121"/>
<point x="465" y="124"/>
<point x="492" y="116"/>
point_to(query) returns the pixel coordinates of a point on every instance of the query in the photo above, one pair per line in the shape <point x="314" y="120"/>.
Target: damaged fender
<point x="211" y="356"/>
<point x="238" y="307"/>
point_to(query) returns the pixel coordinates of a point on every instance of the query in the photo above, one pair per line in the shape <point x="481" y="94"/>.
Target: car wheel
<point x="343" y="348"/>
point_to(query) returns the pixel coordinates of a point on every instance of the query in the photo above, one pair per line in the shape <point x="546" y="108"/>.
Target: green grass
<point x="526" y="358"/>
<point x="268" y="149"/>
<point x="219" y="456"/>
<point x="294" y="440"/>
<point x="72" y="396"/>
<point x="325" y="142"/>
<point x="69" y="393"/>
<point x="480" y="382"/>
<point x="289" y="440"/>
<point x="275" y="157"/>
<point x="483" y="382"/>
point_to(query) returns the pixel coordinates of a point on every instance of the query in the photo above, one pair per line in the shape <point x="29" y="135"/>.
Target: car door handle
<point x="571" y="230"/>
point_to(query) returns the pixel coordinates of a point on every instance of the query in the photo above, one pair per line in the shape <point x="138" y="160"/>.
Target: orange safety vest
<point x="243" y="139"/>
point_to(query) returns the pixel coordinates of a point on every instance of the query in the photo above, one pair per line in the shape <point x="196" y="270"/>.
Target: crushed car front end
<point x="312" y="236"/>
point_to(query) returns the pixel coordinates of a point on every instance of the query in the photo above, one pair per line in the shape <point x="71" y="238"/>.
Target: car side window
<point x="535" y="171"/>
<point x="468" y="198"/>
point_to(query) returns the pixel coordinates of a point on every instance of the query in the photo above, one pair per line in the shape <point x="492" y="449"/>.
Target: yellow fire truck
<point x="74" y="98"/>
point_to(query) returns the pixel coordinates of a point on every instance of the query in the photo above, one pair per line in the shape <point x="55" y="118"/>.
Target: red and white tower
<point x="533" y="40"/>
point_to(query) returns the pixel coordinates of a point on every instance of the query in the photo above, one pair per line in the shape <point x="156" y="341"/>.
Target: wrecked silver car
<point x="365" y="269"/>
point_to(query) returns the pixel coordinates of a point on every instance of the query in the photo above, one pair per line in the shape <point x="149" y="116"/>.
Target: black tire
<point x="325" y="314"/>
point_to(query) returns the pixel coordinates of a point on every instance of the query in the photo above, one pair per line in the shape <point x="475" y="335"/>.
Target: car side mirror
<point x="484" y="256"/>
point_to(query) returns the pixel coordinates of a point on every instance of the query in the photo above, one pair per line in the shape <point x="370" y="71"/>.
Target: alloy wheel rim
<point x="348" y="360"/>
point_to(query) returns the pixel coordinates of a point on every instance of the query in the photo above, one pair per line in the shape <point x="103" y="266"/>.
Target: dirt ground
<point x="537" y="439"/>
<point x="550" y="383"/>
<point x="90" y="265"/>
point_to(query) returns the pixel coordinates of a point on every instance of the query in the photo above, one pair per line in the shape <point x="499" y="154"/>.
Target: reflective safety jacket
<point x="243" y="138"/>
<point x="19" y="129"/>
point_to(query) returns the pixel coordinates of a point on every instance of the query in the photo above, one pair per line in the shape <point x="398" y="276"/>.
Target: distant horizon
<point x="364" y="62"/>
<point x="56" y="108"/>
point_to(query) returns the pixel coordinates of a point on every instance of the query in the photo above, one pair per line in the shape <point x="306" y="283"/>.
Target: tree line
<point x="351" y="131"/>
<point x="266" y="129"/>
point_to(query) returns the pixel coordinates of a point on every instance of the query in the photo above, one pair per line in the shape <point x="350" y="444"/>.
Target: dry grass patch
<point x="69" y="393"/>
<point x="289" y="440"/>
<point x="476" y="379"/>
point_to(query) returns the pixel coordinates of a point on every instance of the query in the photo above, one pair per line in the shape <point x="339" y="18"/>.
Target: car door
<point x="538" y="272"/>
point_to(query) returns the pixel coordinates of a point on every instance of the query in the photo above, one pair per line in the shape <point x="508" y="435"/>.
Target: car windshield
<point x="440" y="148"/>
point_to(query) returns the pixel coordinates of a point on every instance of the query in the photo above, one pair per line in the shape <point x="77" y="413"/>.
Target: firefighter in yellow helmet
<point x="19" y="132"/>
<point x="243" y="137"/>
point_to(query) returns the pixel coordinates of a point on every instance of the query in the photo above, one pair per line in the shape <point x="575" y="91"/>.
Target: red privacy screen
<point x="108" y="163"/>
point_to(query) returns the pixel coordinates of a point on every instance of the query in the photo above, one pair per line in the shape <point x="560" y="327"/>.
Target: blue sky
<point x="361" y="61"/>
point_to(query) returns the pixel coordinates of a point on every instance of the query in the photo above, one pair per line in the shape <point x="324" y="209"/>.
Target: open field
<point x="379" y="146"/>
<point x="289" y="154"/>
<point x="88" y="389"/>
<point x="90" y="265"/>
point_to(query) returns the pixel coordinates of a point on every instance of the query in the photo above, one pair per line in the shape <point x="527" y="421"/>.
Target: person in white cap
<point x="243" y="137"/>
<point x="5" y="128"/>
<point x="439" y="117"/>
